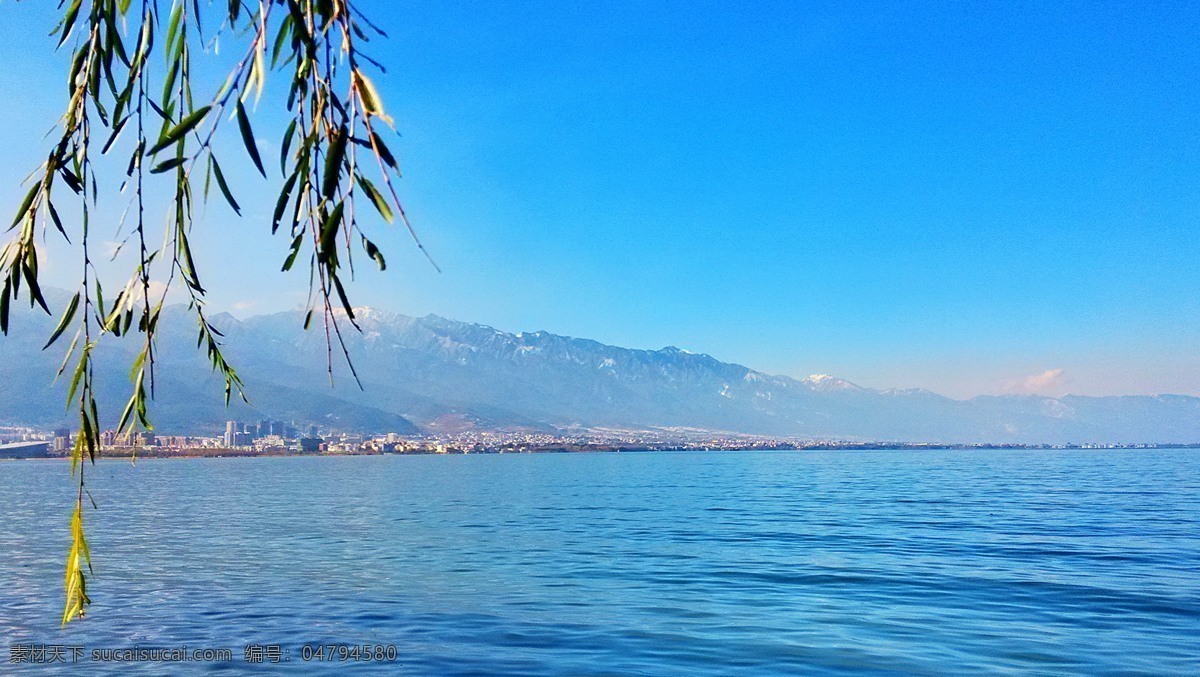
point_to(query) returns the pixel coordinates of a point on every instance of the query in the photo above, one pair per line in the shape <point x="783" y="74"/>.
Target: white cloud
<point x="157" y="289"/>
<point x="1049" y="382"/>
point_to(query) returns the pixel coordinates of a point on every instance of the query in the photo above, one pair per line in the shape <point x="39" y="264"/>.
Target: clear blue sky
<point x="959" y="196"/>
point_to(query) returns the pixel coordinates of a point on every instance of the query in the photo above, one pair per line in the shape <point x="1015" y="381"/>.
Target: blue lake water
<point x="931" y="562"/>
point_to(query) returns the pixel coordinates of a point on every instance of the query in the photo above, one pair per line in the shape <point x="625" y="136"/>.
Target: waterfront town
<point x="278" y="438"/>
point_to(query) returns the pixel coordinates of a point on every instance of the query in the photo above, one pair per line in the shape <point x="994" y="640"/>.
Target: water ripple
<point x="614" y="564"/>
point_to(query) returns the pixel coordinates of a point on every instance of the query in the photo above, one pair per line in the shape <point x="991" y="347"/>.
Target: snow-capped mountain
<point x="436" y="373"/>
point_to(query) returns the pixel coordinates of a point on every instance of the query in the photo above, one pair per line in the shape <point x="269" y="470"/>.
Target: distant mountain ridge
<point x="438" y="374"/>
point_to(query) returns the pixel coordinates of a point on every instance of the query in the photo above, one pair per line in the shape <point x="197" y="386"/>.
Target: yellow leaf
<point x="369" y="96"/>
<point x="260" y="71"/>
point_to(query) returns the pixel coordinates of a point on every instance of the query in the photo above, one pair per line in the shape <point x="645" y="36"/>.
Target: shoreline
<point x="580" y="449"/>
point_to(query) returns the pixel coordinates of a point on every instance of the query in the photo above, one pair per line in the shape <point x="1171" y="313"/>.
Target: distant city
<point x="279" y="438"/>
<point x="435" y="376"/>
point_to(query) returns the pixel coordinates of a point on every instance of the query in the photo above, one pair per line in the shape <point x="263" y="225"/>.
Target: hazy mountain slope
<point x="189" y="398"/>
<point x="430" y="370"/>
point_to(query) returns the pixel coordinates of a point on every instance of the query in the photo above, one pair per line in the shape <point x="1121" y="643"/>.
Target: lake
<point x="930" y="562"/>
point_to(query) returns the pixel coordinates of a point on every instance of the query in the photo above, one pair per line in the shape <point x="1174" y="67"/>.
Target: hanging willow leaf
<point x="167" y="165"/>
<point x="287" y="143"/>
<point x="329" y="229"/>
<point x="126" y="413"/>
<point x="26" y="203"/>
<point x="68" y="22"/>
<point x="382" y="149"/>
<point x="341" y="291"/>
<point x="54" y="218"/>
<point x="116" y="133"/>
<point x="248" y="138"/>
<point x="68" y="315"/>
<point x="80" y="368"/>
<point x="377" y="199"/>
<point x="333" y="162"/>
<point x="108" y="87"/>
<point x="285" y="31"/>
<point x="72" y="180"/>
<point x="285" y="196"/>
<point x="224" y="187"/>
<point x="369" y="96"/>
<point x="67" y="358"/>
<point x="75" y="583"/>
<point x="296" y="242"/>
<point x="4" y="296"/>
<point x="180" y="130"/>
<point x="35" y="290"/>
<point x="374" y="253"/>
<point x="173" y="26"/>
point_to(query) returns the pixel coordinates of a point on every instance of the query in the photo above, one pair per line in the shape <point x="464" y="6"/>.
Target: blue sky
<point x="968" y="197"/>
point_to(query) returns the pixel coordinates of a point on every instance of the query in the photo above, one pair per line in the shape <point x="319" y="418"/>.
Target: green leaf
<point x="137" y="364"/>
<point x="225" y="187"/>
<point x="248" y="138"/>
<point x="57" y="220"/>
<point x="280" y="37"/>
<point x="116" y="132"/>
<point x="377" y="199"/>
<point x="4" y="295"/>
<point x="99" y="300"/>
<point x="67" y="358"/>
<point x="285" y="196"/>
<point x="127" y="413"/>
<point x="287" y="143"/>
<point x="173" y="25"/>
<point x="337" y="283"/>
<point x="374" y="253"/>
<point x="299" y="24"/>
<point x="333" y="162"/>
<point x="180" y="130"/>
<point x="72" y="180"/>
<point x="31" y="278"/>
<point x="79" y="369"/>
<point x="382" y="151"/>
<point x="329" y="230"/>
<point x="69" y="21"/>
<point x="169" y="88"/>
<point x="287" y="264"/>
<point x="158" y="109"/>
<point x="188" y="264"/>
<point x="26" y="203"/>
<point x="65" y="321"/>
<point x="167" y="165"/>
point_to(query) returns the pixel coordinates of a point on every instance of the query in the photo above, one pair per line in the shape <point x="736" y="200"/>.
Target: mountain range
<point x="439" y="375"/>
